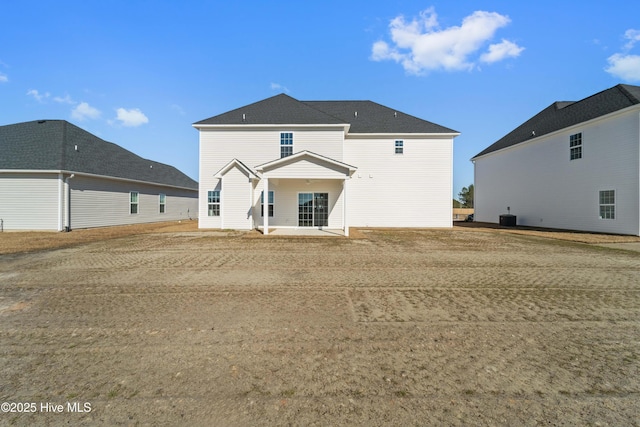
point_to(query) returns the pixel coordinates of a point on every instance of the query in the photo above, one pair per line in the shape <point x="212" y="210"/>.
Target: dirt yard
<point x="170" y="326"/>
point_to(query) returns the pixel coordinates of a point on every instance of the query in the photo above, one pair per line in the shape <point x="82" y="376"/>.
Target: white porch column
<point x="344" y="207"/>
<point x="265" y="212"/>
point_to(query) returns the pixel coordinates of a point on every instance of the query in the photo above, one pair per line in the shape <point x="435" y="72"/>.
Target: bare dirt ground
<point x="171" y="326"/>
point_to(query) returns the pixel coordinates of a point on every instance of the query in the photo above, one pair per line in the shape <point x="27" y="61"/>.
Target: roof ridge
<point x="625" y="91"/>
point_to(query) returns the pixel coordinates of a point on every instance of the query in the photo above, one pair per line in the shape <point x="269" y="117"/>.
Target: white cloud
<point x="633" y="36"/>
<point x="178" y="109"/>
<point x="279" y="87"/>
<point x="131" y="118"/>
<point x="66" y="100"/>
<point x="37" y="95"/>
<point x="84" y="111"/>
<point x="3" y="78"/>
<point x="625" y="67"/>
<point x="421" y="46"/>
<point x="498" y="52"/>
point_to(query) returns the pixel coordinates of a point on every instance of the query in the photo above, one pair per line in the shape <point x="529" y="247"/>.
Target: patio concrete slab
<point x="315" y="232"/>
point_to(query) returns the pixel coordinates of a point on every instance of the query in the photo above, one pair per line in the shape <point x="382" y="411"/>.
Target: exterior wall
<point x="30" y="201"/>
<point x="412" y="189"/>
<point x="544" y="188"/>
<point x="97" y="202"/>
<point x="235" y="200"/>
<point x="253" y="147"/>
<point x="285" y="197"/>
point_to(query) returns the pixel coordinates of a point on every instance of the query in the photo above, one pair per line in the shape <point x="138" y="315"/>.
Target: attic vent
<point x="75" y="148"/>
<point x="41" y="121"/>
<point x="355" y="114"/>
<point x="395" y="114"/>
<point x="150" y="166"/>
<point x="244" y="117"/>
<point x="533" y="133"/>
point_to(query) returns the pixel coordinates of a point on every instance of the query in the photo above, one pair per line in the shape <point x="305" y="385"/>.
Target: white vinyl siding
<point x="97" y="202"/>
<point x="235" y="200"/>
<point x="410" y="190"/>
<point x="544" y="188"/>
<point x="30" y="201"/>
<point x="256" y="147"/>
<point x="36" y="201"/>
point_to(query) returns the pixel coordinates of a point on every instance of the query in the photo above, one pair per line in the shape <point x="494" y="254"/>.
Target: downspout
<point x="67" y="190"/>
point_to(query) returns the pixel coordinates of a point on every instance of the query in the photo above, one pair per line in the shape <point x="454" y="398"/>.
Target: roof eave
<point x="91" y="175"/>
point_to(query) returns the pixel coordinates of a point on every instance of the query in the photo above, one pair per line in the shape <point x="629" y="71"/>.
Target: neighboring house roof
<point x="362" y="116"/>
<point x="51" y="145"/>
<point x="560" y="115"/>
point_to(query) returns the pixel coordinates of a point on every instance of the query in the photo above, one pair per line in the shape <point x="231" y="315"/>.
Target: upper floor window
<point x="575" y="146"/>
<point x="608" y="204"/>
<point x="213" y="203"/>
<point x="133" y="202"/>
<point x="286" y="144"/>
<point x="269" y="203"/>
<point x="163" y="202"/>
<point x="399" y="147"/>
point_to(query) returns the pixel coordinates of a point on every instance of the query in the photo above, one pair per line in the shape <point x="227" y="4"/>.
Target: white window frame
<point x="289" y="147"/>
<point x="575" y="146"/>
<point x="162" y="203"/>
<point x="607" y="204"/>
<point x="212" y="205"/>
<point x="270" y="204"/>
<point x="132" y="203"/>
<point x="399" y="146"/>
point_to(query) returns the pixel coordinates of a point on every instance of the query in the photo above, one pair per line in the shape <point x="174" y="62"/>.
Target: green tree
<point x="456" y="204"/>
<point x="466" y="196"/>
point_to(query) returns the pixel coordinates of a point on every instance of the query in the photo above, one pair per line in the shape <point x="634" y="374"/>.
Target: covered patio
<point x="311" y="196"/>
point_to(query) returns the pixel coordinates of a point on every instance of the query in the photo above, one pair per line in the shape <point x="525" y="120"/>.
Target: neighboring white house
<point x="574" y="165"/>
<point x="56" y="176"/>
<point x="331" y="164"/>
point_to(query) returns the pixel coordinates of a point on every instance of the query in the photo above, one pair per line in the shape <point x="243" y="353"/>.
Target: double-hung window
<point x="608" y="204"/>
<point x="163" y="202"/>
<point x="286" y="144"/>
<point x="269" y="203"/>
<point x="399" y="147"/>
<point x="575" y="146"/>
<point x="133" y="202"/>
<point x="213" y="203"/>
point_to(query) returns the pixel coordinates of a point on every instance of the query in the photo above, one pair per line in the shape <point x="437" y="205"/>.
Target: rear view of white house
<point x="287" y="163"/>
<point x="574" y="165"/>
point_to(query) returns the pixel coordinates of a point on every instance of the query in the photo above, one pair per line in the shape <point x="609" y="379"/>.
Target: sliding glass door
<point x="313" y="209"/>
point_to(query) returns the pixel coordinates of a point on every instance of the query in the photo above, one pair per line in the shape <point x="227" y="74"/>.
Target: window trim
<point x="399" y="146"/>
<point x="132" y="203"/>
<point x="270" y="204"/>
<point x="162" y="203"/>
<point x="283" y="145"/>
<point x="212" y="205"/>
<point x="609" y="214"/>
<point x="575" y="146"/>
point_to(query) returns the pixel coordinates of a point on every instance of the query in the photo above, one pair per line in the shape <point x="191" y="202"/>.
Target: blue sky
<point x="139" y="73"/>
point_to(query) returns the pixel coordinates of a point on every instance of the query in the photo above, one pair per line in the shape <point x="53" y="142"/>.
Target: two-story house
<point x="285" y="163"/>
<point x="574" y="165"/>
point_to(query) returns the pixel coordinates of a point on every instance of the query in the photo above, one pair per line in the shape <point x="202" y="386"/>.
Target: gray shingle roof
<point x="285" y="110"/>
<point x="51" y="145"/>
<point x="560" y="115"/>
